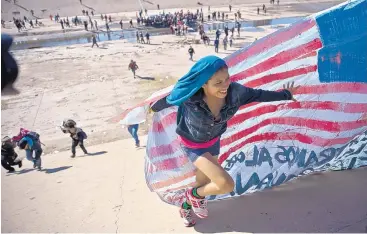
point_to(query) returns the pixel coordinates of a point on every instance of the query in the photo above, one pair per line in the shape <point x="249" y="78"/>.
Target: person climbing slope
<point x="191" y="52"/>
<point x="32" y="145"/>
<point x="206" y="100"/>
<point x="77" y="135"/>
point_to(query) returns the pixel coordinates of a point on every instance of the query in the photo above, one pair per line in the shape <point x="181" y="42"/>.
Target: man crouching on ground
<point x="8" y="155"/>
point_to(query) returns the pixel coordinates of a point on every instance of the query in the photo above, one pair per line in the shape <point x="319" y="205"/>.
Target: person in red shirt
<point x="133" y="67"/>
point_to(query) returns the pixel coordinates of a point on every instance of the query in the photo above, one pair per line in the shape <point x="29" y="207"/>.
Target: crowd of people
<point x="20" y="24"/>
<point x="178" y="21"/>
<point x="140" y="37"/>
<point x="179" y="29"/>
<point x="228" y="39"/>
<point x="166" y="20"/>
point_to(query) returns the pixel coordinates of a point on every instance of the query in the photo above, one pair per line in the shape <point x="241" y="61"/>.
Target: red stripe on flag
<point x="335" y="106"/>
<point x="272" y="136"/>
<point x="279" y="59"/>
<point x="271" y="41"/>
<point x="164" y="122"/>
<point x="169" y="164"/>
<point x="333" y="88"/>
<point x="321" y="125"/>
<point x="312" y="54"/>
<point x="171" y="181"/>
<point x="165" y="149"/>
<point x="325" y="88"/>
<point x="280" y="76"/>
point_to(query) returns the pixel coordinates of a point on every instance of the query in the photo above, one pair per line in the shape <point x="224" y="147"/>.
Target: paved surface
<point x="107" y="193"/>
<point x="323" y="202"/>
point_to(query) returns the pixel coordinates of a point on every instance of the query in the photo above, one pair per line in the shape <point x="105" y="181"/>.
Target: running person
<point x="133" y="67"/>
<point x="207" y="99"/>
<point x="133" y="130"/>
<point x="94" y="40"/>
<point x="191" y="52"/>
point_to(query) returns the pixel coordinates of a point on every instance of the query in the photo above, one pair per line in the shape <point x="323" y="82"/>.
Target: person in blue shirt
<point x="133" y="130"/>
<point x="217" y="34"/>
<point x="32" y="145"/>
<point x="216" y="45"/>
<point x="206" y="100"/>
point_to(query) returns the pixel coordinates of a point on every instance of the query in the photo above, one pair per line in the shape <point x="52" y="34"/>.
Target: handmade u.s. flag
<point x="267" y="144"/>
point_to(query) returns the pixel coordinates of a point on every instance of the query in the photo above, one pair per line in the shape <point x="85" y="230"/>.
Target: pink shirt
<point x="195" y="145"/>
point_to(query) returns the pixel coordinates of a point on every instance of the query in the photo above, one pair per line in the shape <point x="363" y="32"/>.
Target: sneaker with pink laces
<point x="199" y="206"/>
<point x="187" y="217"/>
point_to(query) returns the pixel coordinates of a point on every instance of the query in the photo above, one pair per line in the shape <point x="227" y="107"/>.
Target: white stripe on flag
<point x="299" y="40"/>
<point x="292" y="65"/>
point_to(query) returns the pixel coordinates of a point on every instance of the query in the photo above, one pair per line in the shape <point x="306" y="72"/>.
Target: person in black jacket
<point x="8" y="155"/>
<point x="191" y="52"/>
<point x="77" y="135"/>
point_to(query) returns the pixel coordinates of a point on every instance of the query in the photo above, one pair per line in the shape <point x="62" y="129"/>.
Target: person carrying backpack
<point x="31" y="143"/>
<point x="77" y="135"/>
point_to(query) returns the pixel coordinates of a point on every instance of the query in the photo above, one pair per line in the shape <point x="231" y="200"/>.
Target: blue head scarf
<point x="198" y="75"/>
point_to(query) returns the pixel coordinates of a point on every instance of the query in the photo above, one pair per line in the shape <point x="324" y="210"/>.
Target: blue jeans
<point x="133" y="130"/>
<point x="194" y="154"/>
<point x="37" y="159"/>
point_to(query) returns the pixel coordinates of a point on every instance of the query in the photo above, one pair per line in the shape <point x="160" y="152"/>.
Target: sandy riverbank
<point x="128" y="8"/>
<point x="92" y="85"/>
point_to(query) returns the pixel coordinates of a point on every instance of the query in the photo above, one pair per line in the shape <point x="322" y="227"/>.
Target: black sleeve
<point x="9" y="149"/>
<point x="160" y="105"/>
<point x="247" y="95"/>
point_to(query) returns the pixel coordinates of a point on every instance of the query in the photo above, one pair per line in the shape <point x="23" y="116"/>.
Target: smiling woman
<point x="207" y="100"/>
<point x="218" y="84"/>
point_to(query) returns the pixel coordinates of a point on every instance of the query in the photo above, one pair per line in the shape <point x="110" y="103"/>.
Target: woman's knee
<point x="201" y="178"/>
<point x="225" y="184"/>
